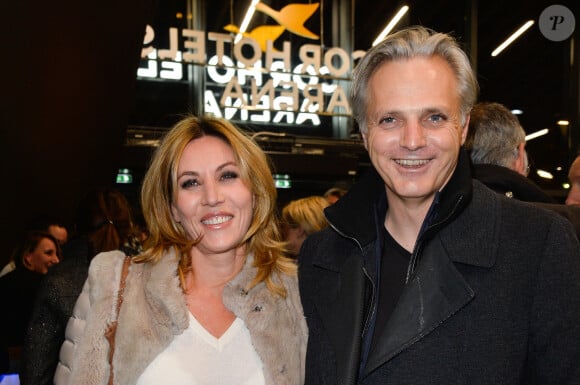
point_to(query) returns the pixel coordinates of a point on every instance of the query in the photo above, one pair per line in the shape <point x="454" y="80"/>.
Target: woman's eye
<point x="189" y="183"/>
<point x="229" y="175"/>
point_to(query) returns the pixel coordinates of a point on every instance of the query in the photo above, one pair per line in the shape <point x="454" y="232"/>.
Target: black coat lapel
<point x="437" y="291"/>
<point x="341" y="307"/>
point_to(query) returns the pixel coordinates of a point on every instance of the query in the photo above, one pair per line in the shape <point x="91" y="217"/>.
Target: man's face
<point x="414" y="127"/>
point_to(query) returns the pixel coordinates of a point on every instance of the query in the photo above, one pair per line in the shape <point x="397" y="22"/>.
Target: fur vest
<point x="154" y="312"/>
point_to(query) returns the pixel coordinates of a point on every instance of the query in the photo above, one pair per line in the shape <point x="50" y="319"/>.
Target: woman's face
<point x="42" y="257"/>
<point x="212" y="202"/>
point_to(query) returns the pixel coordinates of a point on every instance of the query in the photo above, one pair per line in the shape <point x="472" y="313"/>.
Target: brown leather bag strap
<point x="112" y="329"/>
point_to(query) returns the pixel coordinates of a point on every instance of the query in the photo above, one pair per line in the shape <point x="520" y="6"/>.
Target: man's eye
<point x="436" y="118"/>
<point x="388" y="120"/>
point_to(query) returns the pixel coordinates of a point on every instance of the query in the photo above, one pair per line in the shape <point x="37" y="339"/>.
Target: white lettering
<point x="195" y="46"/>
<point x="338" y="101"/>
<point x="213" y="70"/>
<point x="239" y="53"/>
<point x="252" y="89"/>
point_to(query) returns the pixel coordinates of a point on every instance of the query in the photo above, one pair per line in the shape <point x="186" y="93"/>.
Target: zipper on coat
<point x="370" y="313"/>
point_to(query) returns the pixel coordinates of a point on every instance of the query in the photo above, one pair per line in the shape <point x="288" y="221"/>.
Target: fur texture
<point x="154" y="311"/>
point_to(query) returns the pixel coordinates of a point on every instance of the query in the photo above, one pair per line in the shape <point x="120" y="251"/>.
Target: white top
<point x="195" y="357"/>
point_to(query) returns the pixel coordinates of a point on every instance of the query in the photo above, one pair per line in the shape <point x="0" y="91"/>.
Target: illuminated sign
<point x="256" y="81"/>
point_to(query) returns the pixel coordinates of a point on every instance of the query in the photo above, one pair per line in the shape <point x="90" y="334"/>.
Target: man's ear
<point x="465" y="129"/>
<point x="364" y="137"/>
<point x="521" y="162"/>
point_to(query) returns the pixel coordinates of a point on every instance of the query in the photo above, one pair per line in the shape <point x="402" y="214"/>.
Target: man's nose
<point x="412" y="135"/>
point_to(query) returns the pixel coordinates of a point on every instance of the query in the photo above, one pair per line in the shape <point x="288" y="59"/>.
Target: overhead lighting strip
<point x="536" y="134"/>
<point x="391" y="24"/>
<point x="246" y="21"/>
<point x="513" y="37"/>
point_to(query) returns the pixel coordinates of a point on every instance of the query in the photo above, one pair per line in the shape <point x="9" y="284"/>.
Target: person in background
<point x="36" y="253"/>
<point x="302" y="217"/>
<point x="334" y="193"/>
<point x="47" y="223"/>
<point x="103" y="223"/>
<point x="496" y="143"/>
<point x="426" y="276"/>
<point x="54" y="225"/>
<point x="212" y="298"/>
<point x="573" y="197"/>
<point x="140" y="226"/>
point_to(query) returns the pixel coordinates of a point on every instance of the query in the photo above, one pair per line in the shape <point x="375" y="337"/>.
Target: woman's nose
<point x="211" y="193"/>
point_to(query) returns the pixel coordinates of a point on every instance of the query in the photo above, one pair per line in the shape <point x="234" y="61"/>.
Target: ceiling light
<point x="517" y="111"/>
<point x="536" y="134"/>
<point x="563" y="123"/>
<point x="246" y="21"/>
<point x="566" y="185"/>
<point x="544" y="174"/>
<point x="391" y="24"/>
<point x="513" y="37"/>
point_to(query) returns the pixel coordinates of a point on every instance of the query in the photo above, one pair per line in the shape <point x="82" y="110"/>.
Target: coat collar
<point x="510" y="183"/>
<point x="436" y="292"/>
<point x="354" y="216"/>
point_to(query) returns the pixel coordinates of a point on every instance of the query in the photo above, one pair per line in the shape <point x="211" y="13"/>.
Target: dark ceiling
<point x="534" y="74"/>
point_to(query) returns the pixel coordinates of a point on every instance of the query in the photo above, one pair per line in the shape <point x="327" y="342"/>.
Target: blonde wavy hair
<point x="307" y="213"/>
<point x="263" y="238"/>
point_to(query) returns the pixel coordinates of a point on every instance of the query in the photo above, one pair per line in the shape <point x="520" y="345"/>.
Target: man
<point x="426" y="276"/>
<point x="573" y="197"/>
<point x="496" y="142"/>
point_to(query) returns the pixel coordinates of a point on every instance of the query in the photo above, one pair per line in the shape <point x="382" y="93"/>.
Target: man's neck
<point x="404" y="220"/>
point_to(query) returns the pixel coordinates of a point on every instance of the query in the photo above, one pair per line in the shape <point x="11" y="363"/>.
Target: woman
<point x="303" y="217"/>
<point x="36" y="253"/>
<point x="211" y="299"/>
<point x="103" y="222"/>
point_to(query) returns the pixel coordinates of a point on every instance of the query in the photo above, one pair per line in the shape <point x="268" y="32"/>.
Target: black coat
<point x="17" y="291"/>
<point x="510" y="183"/>
<point x="513" y="185"/>
<point x="494" y="299"/>
<point x="53" y="307"/>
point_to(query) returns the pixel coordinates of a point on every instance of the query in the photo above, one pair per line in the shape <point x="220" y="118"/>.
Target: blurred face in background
<point x="59" y="233"/>
<point x="42" y="257"/>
